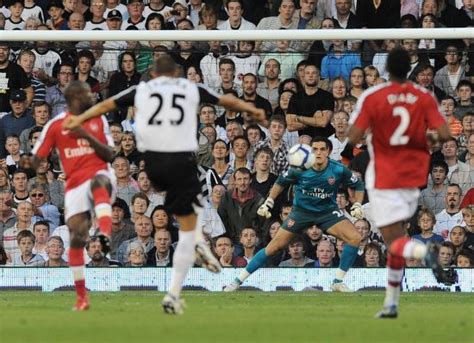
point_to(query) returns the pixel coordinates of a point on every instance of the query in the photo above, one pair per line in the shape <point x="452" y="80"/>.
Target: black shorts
<point x="177" y="174"/>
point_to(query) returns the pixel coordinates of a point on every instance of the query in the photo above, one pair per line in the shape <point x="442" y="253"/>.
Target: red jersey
<point x="397" y="116"/>
<point x="78" y="158"/>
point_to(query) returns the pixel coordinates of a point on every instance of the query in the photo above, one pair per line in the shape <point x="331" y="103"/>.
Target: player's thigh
<point x="78" y="200"/>
<point x="390" y="206"/>
<point x="298" y="221"/>
<point x="345" y="231"/>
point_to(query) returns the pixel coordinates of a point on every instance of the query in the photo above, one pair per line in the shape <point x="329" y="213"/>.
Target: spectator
<point x="448" y="77"/>
<point x="97" y="20"/>
<point x="139" y="205"/>
<point x="464" y="96"/>
<point x="339" y="91"/>
<point x="76" y="22"/>
<point x="224" y="250"/>
<point x="116" y="131"/>
<point x="146" y="188"/>
<point x="446" y="254"/>
<point x="85" y="63"/>
<point x="15" y="121"/>
<point x="43" y="210"/>
<point x="12" y="145"/>
<point x="245" y="60"/>
<point x="122" y="227"/>
<point x="458" y="236"/>
<point x="143" y="229"/>
<point x="194" y="74"/>
<point x="451" y="215"/>
<point x="55" y="250"/>
<point x="208" y="17"/>
<point x="357" y="82"/>
<point x="433" y="196"/>
<point x="249" y="242"/>
<point x="236" y="21"/>
<point x="310" y="112"/>
<point x="344" y="16"/>
<point x="263" y="179"/>
<point x="209" y="64"/>
<point x="56" y="14"/>
<point x="112" y="5"/>
<point x="342" y="200"/>
<point x="212" y="223"/>
<point x="162" y="220"/>
<point x="371" y="75"/>
<point x="55" y="186"/>
<point x="268" y="89"/>
<point x="426" y="221"/>
<point x="465" y="259"/>
<point x="24" y="213"/>
<point x="297" y="254"/>
<point x="238" y="207"/>
<point x="26" y="60"/>
<point x="449" y="151"/>
<point x="220" y="152"/>
<point x="3" y="256"/>
<point x="373" y="256"/>
<point x="286" y="56"/>
<point x="135" y="16"/>
<point x="468" y="216"/>
<point x="311" y="238"/>
<point x="275" y="142"/>
<point x="20" y="186"/>
<point x="339" y="61"/>
<point x="26" y="241"/>
<point x="54" y="94"/>
<point x="136" y="255"/>
<point x="41" y="232"/>
<point x="157" y="6"/>
<point x="239" y="158"/>
<point x="249" y="94"/>
<point x="339" y="139"/>
<point x="379" y="60"/>
<point x="94" y="250"/>
<point x="126" y="77"/>
<point x="207" y="117"/>
<point x="7" y="216"/>
<point x="41" y="112"/>
<point x="126" y="186"/>
<point x="325" y="253"/>
<point x="448" y="105"/>
<point x="15" y="22"/>
<point x="162" y="253"/>
<point x="129" y="149"/>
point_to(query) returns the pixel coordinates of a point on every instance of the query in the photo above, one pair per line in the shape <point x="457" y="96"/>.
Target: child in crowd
<point x="26" y="242"/>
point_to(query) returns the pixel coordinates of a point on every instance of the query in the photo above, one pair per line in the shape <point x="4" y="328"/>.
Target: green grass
<point x="29" y="317"/>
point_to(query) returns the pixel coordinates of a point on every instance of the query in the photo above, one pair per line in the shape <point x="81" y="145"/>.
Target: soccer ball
<point x="301" y="156"/>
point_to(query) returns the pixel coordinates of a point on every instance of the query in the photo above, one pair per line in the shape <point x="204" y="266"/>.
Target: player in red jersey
<point x="85" y="154"/>
<point x="397" y="115"/>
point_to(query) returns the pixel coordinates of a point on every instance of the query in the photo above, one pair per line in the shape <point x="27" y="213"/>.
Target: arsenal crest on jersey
<point x="331" y="180"/>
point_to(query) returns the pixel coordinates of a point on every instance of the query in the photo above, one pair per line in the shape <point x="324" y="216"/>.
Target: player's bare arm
<point x="233" y="103"/>
<point x="102" y="150"/>
<point x="355" y="135"/>
<point x="97" y="110"/>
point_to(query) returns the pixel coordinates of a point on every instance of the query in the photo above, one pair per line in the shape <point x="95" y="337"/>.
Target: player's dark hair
<point x="75" y="90"/>
<point x="318" y="139"/>
<point x="439" y="164"/>
<point x="165" y="65"/>
<point x="398" y="63"/>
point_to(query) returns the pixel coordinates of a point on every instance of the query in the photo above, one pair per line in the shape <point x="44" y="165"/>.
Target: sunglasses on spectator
<point x="37" y="195"/>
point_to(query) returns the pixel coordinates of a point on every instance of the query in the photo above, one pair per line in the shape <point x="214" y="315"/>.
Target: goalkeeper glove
<point x="264" y="209"/>
<point x="357" y="211"/>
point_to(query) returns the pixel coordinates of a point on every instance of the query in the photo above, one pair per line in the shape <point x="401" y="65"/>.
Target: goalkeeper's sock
<point x="348" y="256"/>
<point x="183" y="259"/>
<point x="76" y="263"/>
<point x="258" y="261"/>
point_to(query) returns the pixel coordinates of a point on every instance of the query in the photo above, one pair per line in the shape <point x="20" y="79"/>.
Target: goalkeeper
<point x="314" y="203"/>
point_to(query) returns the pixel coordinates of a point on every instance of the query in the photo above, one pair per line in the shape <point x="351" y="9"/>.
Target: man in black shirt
<point x="310" y="112"/>
<point x="249" y="87"/>
<point x="12" y="77"/>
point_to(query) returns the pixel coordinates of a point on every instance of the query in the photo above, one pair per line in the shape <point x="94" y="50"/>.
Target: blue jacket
<point x="333" y="66"/>
<point x="11" y="124"/>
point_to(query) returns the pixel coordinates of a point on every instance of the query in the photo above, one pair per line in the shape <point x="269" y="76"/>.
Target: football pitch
<point x="29" y="317"/>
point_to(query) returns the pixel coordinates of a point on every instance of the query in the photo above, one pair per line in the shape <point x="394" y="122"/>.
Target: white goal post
<point x="224" y="35"/>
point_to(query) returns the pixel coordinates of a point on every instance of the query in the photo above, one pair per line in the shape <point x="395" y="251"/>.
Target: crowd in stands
<point x="307" y="88"/>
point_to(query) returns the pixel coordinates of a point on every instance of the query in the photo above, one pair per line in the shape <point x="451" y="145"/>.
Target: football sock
<point x="258" y="261"/>
<point x="183" y="259"/>
<point x="348" y="256"/>
<point x="199" y="223"/>
<point x="76" y="262"/>
<point x="103" y="210"/>
<point x="400" y="249"/>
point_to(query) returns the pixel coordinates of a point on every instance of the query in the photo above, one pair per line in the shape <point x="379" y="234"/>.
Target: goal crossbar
<point x="224" y="35"/>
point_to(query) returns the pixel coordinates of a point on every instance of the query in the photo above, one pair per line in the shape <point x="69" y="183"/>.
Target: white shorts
<point x="389" y="206"/>
<point x="80" y="200"/>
